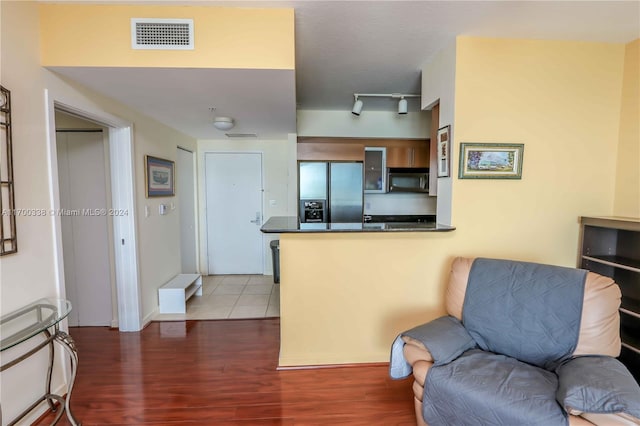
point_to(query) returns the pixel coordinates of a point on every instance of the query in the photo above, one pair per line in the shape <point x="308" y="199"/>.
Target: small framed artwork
<point x="159" y="176"/>
<point x="444" y="151"/>
<point x="490" y="161"/>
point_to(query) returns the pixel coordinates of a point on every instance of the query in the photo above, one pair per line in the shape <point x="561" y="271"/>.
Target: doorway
<point x="187" y="208"/>
<point x="84" y="203"/>
<point x="233" y="194"/>
<point x="121" y="165"/>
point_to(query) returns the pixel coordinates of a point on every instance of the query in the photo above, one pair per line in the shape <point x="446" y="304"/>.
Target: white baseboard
<point x="147" y="319"/>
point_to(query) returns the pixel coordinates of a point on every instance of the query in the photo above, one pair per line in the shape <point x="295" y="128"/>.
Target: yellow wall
<point x="100" y="35"/>
<point x="562" y="100"/>
<point x="345" y="297"/>
<point x="627" y="195"/>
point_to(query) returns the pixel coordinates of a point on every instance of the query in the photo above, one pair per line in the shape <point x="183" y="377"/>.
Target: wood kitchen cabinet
<point x="329" y="151"/>
<point x="410" y="154"/>
<point x="399" y="152"/>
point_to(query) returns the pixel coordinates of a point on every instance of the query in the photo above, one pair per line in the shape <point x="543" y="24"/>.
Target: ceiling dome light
<point x="402" y="106"/>
<point x="357" y="107"/>
<point x="223" y="123"/>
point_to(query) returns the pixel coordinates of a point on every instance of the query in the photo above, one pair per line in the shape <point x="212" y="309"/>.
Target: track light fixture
<point x="357" y="106"/>
<point x="402" y="103"/>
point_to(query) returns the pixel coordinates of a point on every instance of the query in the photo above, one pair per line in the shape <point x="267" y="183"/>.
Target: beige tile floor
<point x="232" y="297"/>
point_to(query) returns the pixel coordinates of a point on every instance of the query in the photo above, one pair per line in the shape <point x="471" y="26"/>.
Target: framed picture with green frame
<point x="490" y="160"/>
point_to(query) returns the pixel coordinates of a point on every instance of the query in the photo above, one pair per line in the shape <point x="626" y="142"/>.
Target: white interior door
<point x="233" y="184"/>
<point x="186" y="208"/>
<point x="85" y="239"/>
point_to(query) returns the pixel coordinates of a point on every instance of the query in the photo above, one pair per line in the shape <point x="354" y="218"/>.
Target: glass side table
<point x="41" y="317"/>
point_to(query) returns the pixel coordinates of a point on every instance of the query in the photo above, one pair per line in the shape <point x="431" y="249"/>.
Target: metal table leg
<point x="69" y="346"/>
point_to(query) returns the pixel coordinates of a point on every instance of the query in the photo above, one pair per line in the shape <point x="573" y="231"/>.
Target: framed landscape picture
<point x="159" y="176"/>
<point x="490" y="161"/>
<point x="444" y="151"/>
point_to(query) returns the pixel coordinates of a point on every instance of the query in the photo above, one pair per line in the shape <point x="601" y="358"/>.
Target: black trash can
<point x="275" y="256"/>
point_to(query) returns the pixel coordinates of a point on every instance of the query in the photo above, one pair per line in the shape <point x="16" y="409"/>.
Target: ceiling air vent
<point x="162" y="34"/>
<point x="241" y="135"/>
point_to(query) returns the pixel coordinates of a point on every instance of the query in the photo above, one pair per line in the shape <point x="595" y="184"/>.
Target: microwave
<point x="406" y="179"/>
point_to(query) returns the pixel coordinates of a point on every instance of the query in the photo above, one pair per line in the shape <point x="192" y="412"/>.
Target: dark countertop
<point x="289" y="224"/>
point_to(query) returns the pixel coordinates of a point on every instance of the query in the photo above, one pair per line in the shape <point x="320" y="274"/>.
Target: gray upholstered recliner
<point x="523" y="343"/>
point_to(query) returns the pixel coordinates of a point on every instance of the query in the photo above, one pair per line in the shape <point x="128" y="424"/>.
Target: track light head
<point x="402" y="106"/>
<point x="357" y="107"/>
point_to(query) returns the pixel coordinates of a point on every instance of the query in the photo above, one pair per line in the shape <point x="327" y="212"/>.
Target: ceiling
<point x="342" y="48"/>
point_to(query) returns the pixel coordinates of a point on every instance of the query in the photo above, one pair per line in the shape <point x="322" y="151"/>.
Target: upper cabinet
<point x="330" y="149"/>
<point x="375" y="173"/>
<point x="397" y="152"/>
<point x="412" y="154"/>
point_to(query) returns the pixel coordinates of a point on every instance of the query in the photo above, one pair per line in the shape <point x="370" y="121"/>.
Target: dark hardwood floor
<point x="222" y="373"/>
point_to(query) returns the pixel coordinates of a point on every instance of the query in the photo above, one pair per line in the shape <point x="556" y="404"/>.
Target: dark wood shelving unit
<point x="610" y="246"/>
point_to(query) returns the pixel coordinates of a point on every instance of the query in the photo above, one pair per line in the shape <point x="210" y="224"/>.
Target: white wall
<point x="31" y="273"/>
<point x="399" y="203"/>
<point x="438" y="83"/>
<point x="370" y="124"/>
<point x="278" y="181"/>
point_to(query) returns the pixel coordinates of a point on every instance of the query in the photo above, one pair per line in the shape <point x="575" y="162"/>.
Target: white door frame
<point x="122" y="172"/>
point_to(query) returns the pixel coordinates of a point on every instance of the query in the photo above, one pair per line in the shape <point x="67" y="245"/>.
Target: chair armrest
<point x="445" y="338"/>
<point x="414" y="351"/>
<point x="597" y="384"/>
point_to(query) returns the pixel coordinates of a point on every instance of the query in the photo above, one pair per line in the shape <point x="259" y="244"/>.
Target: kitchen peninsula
<point x="291" y="224"/>
<point x="346" y="290"/>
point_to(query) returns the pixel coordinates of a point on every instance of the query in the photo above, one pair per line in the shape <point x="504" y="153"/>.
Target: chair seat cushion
<point x="486" y="388"/>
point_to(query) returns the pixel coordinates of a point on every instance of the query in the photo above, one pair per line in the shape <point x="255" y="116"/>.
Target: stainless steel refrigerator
<point x="330" y="191"/>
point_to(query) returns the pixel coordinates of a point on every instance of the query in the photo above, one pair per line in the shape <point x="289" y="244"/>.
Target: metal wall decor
<point x="8" y="239"/>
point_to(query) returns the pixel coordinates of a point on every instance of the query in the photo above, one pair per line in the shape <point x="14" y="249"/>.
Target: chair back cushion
<point x="457" y="287"/>
<point x="600" y="324"/>
<point x="527" y="311"/>
<point x="600" y="321"/>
